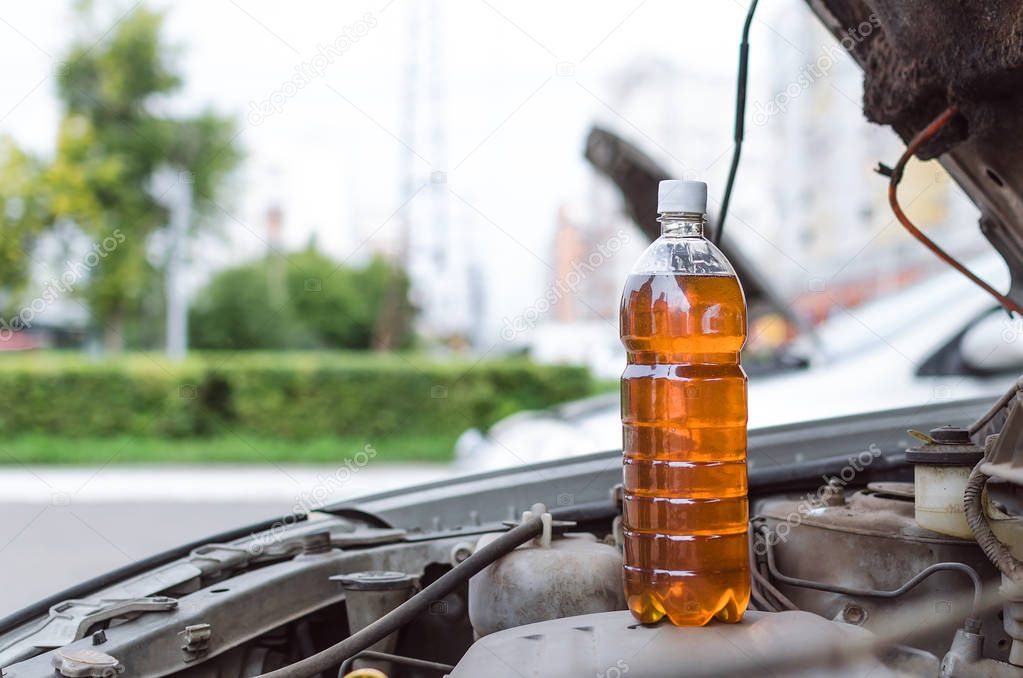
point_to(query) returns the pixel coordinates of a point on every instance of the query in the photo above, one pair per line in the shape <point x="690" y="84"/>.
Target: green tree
<point x="238" y="310"/>
<point x="326" y="305"/>
<point x="22" y="214"/>
<point x="111" y="140"/>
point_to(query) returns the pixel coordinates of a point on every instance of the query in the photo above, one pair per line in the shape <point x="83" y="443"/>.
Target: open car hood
<point x="920" y="56"/>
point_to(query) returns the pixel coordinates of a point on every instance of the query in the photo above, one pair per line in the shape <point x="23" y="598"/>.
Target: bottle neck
<point x="682" y="224"/>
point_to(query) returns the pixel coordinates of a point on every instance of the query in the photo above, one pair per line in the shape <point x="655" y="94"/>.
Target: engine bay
<point x="866" y="551"/>
<point x="882" y="544"/>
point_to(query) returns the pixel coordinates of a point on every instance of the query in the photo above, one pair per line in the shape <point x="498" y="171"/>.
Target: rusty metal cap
<point x="949" y="446"/>
<point x="951" y="435"/>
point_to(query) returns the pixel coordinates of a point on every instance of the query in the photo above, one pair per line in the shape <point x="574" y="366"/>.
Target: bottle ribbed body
<point x="684" y="416"/>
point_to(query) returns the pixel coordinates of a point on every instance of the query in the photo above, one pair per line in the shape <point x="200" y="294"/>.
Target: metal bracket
<point x="196" y="640"/>
<point x="70" y="620"/>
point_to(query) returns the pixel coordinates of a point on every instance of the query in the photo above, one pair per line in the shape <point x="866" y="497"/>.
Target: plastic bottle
<point x="683" y="322"/>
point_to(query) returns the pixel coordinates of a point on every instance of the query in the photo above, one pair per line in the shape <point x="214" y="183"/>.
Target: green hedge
<point x="276" y="395"/>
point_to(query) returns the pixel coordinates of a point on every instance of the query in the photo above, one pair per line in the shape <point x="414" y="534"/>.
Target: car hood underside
<point x="920" y="56"/>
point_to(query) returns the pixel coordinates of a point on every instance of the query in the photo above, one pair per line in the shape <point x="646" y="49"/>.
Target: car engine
<point x="873" y="551"/>
<point x="896" y="557"/>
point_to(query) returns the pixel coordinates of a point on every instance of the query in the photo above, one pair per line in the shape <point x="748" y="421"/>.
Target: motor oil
<point x="684" y="415"/>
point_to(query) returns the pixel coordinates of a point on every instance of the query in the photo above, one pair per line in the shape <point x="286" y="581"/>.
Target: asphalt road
<point x="61" y="526"/>
<point x="47" y="548"/>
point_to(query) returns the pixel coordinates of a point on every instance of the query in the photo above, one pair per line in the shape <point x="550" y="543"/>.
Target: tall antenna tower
<point x="438" y="134"/>
<point x="407" y="100"/>
<point x="427" y="249"/>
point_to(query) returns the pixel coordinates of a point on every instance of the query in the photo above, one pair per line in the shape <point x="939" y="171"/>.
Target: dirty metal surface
<point x="920" y="56"/>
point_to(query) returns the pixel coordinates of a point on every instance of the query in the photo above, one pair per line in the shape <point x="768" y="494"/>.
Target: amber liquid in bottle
<point x="684" y="421"/>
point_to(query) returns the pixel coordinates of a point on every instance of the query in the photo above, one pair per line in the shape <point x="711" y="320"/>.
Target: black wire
<point x="740" y="117"/>
<point x="997" y="407"/>
<point x="395" y="619"/>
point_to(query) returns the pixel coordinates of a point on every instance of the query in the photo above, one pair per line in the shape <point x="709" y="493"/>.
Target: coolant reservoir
<point x="567" y="576"/>
<point x="941" y="469"/>
<point x="683" y="322"/>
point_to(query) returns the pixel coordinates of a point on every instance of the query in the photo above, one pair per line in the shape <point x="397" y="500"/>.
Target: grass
<point x="229" y="449"/>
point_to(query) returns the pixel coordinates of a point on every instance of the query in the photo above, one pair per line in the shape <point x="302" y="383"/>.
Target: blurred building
<point x="568" y="248"/>
<point x="576" y="319"/>
<point x="587" y="274"/>
<point x="650" y="101"/>
<point x="808" y="206"/>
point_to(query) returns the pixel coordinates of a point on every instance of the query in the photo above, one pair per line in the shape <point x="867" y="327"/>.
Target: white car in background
<point x="938" y="340"/>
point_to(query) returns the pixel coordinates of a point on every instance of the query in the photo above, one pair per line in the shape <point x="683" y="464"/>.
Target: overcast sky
<point x="519" y="85"/>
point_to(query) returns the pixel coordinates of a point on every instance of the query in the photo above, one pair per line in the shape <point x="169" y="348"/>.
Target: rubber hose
<point x="404" y="613"/>
<point x="397" y="659"/>
<point x="995" y="550"/>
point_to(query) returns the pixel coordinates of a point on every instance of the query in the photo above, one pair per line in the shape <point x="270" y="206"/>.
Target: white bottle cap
<point x="674" y="195"/>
